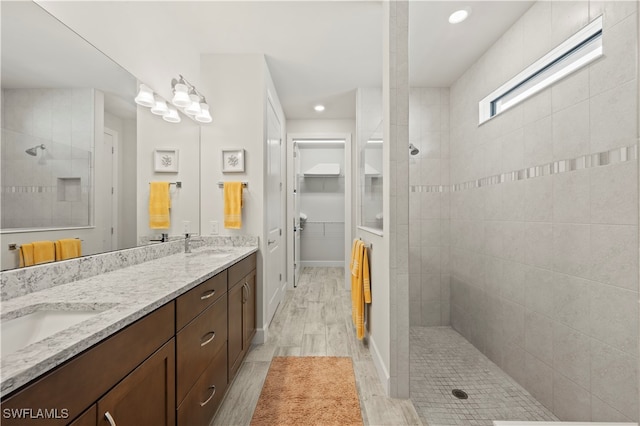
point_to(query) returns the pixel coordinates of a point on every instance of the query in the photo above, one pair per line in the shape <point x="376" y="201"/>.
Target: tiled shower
<point x="526" y="227"/>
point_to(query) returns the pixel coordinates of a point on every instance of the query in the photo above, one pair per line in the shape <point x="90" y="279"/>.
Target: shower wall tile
<point x="538" y="292"/>
<point x="571" y="131"/>
<point x="603" y="412"/>
<point x="571" y="301"/>
<point x="613" y="317"/>
<point x="572" y="354"/>
<point x="570" y="401"/>
<point x="539" y="380"/>
<point x="614" y="194"/>
<point x="571" y="197"/>
<point x="613" y="378"/>
<point x="614" y="259"/>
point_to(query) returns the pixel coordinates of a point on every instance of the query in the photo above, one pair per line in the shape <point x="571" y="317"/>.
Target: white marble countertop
<point x="128" y="294"/>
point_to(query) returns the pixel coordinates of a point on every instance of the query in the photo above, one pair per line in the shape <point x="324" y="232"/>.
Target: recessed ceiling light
<point x="319" y="108"/>
<point x="458" y="16"/>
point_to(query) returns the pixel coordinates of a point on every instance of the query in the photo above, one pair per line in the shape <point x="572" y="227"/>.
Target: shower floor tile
<point x="443" y="360"/>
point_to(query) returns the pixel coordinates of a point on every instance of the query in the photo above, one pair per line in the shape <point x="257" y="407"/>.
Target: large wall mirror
<point x="69" y="135"/>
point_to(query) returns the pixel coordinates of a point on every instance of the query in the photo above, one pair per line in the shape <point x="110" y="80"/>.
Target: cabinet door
<point x="249" y="310"/>
<point x="146" y="396"/>
<point x="88" y="418"/>
<point x="235" y="336"/>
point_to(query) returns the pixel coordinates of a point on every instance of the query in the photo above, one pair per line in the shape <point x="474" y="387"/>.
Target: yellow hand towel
<point x="159" y="204"/>
<point x="360" y="287"/>
<point x="68" y="248"/>
<point x="233" y="205"/>
<point x="26" y="255"/>
<point x="43" y="252"/>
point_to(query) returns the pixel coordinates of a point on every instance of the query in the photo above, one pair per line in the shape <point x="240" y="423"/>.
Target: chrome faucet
<point x="187" y="243"/>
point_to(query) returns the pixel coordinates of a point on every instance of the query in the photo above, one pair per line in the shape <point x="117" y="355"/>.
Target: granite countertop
<point x="127" y="294"/>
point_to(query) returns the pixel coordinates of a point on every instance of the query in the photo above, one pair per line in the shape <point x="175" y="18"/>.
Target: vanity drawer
<point x="198" y="343"/>
<point x="197" y="408"/>
<point x="190" y="304"/>
<point x="241" y="269"/>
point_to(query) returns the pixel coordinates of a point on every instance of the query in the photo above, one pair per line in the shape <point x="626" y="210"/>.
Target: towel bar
<point x="367" y="245"/>
<point x="244" y="184"/>
<point x="14" y="246"/>
<point x="177" y="184"/>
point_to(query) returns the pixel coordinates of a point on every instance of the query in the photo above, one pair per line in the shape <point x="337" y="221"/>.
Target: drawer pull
<point x="213" y="335"/>
<point x="213" y="388"/>
<point x="107" y="416"/>
<point x="207" y="294"/>
<point x="245" y="296"/>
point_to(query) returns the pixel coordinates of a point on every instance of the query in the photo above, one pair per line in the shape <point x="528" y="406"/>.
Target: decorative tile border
<point x="605" y="158"/>
<point x="37" y="189"/>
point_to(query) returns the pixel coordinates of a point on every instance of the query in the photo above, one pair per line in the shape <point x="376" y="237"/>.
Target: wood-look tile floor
<point x="314" y="320"/>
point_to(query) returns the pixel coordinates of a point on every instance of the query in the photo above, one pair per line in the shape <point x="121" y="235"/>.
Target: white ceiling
<point x="317" y="51"/>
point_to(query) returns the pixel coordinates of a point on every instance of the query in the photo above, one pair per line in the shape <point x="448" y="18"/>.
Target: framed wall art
<point x="232" y="160"/>
<point x="165" y="160"/>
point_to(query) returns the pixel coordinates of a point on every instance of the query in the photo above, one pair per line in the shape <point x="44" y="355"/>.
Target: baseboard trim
<point x="260" y="337"/>
<point x="383" y="374"/>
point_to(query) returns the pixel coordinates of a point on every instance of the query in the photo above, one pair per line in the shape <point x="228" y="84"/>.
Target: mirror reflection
<point x="68" y="138"/>
<point x="372" y="175"/>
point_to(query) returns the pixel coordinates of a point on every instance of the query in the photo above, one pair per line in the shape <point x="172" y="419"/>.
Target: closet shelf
<point x="323" y="170"/>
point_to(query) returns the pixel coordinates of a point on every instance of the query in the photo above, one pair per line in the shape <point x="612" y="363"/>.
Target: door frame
<point x="271" y="103"/>
<point x="115" y="136"/>
<point x="348" y="193"/>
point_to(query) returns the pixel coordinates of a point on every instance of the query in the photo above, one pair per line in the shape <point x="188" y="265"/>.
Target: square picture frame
<point x="232" y="160"/>
<point x="165" y="160"/>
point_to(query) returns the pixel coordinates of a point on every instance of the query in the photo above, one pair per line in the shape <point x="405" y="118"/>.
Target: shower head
<point x="413" y="150"/>
<point x="34" y="150"/>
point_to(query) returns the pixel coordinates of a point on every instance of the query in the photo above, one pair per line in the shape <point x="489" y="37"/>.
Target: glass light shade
<point x="458" y="16"/>
<point x="181" y="96"/>
<point x="145" y="97"/>
<point x="160" y="107"/>
<point x="204" y="116"/>
<point x="171" y="116"/>
<point x="194" y="108"/>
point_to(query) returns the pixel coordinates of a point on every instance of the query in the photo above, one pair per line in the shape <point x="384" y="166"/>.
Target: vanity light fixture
<point x="145" y="96"/>
<point x="319" y="108"/>
<point x="160" y="107"/>
<point x="172" y="115"/>
<point x="187" y="97"/>
<point x="458" y="16"/>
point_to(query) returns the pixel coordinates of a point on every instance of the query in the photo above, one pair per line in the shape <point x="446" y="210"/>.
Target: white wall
<point x="153" y="57"/>
<point x="240" y="84"/>
<point x="153" y="133"/>
<point x="321" y="126"/>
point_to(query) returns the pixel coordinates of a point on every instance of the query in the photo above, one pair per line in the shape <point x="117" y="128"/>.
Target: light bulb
<point x="458" y="16"/>
<point x="160" y="107"/>
<point x="181" y="96"/>
<point x="145" y="97"/>
<point x="204" y="116"/>
<point x="171" y="116"/>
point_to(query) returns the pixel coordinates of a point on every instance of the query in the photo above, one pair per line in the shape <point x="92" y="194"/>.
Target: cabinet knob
<point x="207" y="294"/>
<point x="109" y="418"/>
<point x="213" y="335"/>
<point x="213" y="392"/>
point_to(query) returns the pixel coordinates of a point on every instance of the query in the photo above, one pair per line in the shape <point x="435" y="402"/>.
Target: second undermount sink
<point x="20" y="332"/>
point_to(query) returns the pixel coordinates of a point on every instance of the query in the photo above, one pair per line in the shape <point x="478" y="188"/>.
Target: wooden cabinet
<point x="242" y="311"/>
<point x="146" y="396"/>
<point x="81" y="381"/>
<point x="172" y="366"/>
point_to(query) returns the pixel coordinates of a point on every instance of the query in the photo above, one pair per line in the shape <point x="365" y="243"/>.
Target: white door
<point x="274" y="272"/>
<point x="297" y="229"/>
<point x="109" y="232"/>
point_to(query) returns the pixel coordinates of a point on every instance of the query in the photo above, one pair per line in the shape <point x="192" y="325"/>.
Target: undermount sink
<point x="45" y="321"/>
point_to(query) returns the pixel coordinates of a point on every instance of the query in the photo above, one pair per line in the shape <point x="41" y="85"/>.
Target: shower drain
<point x="460" y="394"/>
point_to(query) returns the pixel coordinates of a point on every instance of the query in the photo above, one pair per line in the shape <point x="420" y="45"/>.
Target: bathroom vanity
<point x="168" y="338"/>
